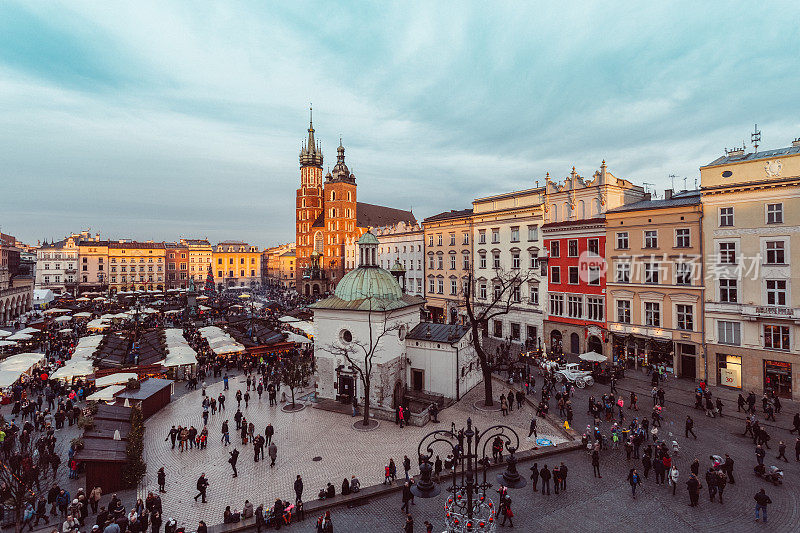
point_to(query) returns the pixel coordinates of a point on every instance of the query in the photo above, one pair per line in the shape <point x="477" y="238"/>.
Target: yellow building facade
<point x="136" y="266"/>
<point x="448" y="262"/>
<point x="654" y="283"/>
<point x="236" y="264"/>
<point x="751" y="224"/>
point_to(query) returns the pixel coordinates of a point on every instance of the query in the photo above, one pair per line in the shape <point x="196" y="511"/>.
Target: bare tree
<point x="504" y="293"/>
<point x="25" y="474"/>
<point x="294" y="370"/>
<point x="360" y="353"/>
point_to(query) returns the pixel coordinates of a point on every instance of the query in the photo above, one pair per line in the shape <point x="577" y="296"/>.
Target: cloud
<point x="156" y="120"/>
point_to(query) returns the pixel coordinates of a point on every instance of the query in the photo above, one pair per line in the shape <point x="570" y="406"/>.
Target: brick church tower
<point x="309" y="203"/>
<point x="340" y="215"/>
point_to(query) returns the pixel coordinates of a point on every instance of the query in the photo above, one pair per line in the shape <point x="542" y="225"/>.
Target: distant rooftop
<point x="678" y="199"/>
<point x="429" y="331"/>
<point x="754" y="156"/>
<point x="449" y="214"/>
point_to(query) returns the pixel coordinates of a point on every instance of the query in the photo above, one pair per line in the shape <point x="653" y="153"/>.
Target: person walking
<point x="596" y="463"/>
<point x="409" y="527"/>
<point x="298" y="488"/>
<point x="634" y="480"/>
<point x="272" y="450"/>
<point x="722" y="480"/>
<point x="760" y="454"/>
<point x="545" y="476"/>
<point x="673" y="477"/>
<point x="226" y="436"/>
<point x="407" y="495"/>
<point x="711" y="482"/>
<point x="535" y="476"/>
<point x="690" y="427"/>
<point x="162" y="480"/>
<point x="762" y="500"/>
<point x="268" y="433"/>
<point x="234" y="457"/>
<point x="202" y="485"/>
<point x="506" y="511"/>
<point x="782" y="451"/>
<point x="693" y="485"/>
<point x="727" y="466"/>
<point x="407" y="466"/>
<point x="533" y="429"/>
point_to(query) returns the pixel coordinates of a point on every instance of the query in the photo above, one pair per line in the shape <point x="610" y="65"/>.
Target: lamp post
<point x="468" y="508"/>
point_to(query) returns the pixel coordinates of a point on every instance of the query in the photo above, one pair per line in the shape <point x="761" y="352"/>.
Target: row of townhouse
<point x="700" y="280"/>
<point x="84" y="263"/>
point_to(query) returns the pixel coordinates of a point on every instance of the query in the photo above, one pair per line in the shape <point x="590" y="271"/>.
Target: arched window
<point x="554" y="209"/>
<point x="582" y="209"/>
<point x="568" y="214"/>
<point x="595" y="207"/>
<point x="349" y="196"/>
<point x="318" y="242"/>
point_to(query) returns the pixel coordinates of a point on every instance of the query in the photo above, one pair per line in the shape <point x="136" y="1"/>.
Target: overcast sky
<point x="167" y="119"/>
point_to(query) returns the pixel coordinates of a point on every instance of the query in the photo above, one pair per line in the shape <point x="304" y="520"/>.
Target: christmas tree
<point x="210" y="287"/>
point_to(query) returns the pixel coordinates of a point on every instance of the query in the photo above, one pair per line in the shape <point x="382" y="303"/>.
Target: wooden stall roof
<point x="104" y="429"/>
<point x="103" y="450"/>
<point x="148" y="388"/>
<point x="118" y="413"/>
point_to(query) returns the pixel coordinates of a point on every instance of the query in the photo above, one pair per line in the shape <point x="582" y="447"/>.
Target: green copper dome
<point x="368" y="282"/>
<point x="368" y="238"/>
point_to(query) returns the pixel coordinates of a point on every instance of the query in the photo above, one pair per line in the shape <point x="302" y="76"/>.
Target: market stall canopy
<point x="29" y="331"/>
<point x="7" y="343"/>
<point x="115" y="379"/>
<point x="4" y="333"/>
<point x="13" y="367"/>
<point x="55" y="311"/>
<point x="75" y="368"/>
<point x="82" y="314"/>
<point x="65" y="330"/>
<point x="64" y="318"/>
<point x="82" y="299"/>
<point x="305" y="327"/>
<point x="20" y="337"/>
<point x="202" y="297"/>
<point x="180" y="355"/>
<point x="297" y="339"/>
<point x="99" y="299"/>
<point x="42" y="296"/>
<point x="592" y="357"/>
<point x="288" y="318"/>
<point x="205" y="308"/>
<point x="97" y="324"/>
<point x="106" y="393"/>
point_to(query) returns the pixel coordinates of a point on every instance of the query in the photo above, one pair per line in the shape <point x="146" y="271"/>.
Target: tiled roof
<point x="683" y="198"/>
<point x="365" y="304"/>
<point x="429" y="331"/>
<point x="448" y="215"/>
<point x="136" y="245"/>
<point x="370" y="215"/>
<point x="754" y="156"/>
<point x="568" y="223"/>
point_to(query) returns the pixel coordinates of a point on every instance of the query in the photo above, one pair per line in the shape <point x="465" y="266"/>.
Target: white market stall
<point x="219" y="341"/>
<point x="115" y="379"/>
<point x="4" y="334"/>
<point x="180" y="356"/>
<point x="106" y="394"/>
<point x="12" y="368"/>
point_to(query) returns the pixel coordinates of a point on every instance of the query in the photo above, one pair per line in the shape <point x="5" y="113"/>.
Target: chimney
<point x="796" y="142"/>
<point x="667" y="194"/>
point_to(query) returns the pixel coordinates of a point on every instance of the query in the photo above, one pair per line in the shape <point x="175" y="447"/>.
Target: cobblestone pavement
<point x="300" y="437"/>
<point x="606" y="504"/>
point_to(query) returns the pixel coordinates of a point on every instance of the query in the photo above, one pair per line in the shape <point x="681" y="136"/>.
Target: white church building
<point x="369" y="311"/>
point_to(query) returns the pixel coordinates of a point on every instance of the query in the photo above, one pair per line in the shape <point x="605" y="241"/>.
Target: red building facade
<point x="575" y="313"/>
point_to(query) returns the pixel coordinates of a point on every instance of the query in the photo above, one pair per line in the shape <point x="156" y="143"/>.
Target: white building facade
<point x="507" y="241"/>
<point x="57" y="265"/>
<point x="403" y="243"/>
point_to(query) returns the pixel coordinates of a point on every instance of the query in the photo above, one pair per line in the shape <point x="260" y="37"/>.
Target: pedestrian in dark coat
<point x="545" y="476"/>
<point x="535" y="476"/>
<point x="298" y="488"/>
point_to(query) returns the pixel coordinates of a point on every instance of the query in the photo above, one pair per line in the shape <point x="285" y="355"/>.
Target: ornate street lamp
<point x="468" y="509"/>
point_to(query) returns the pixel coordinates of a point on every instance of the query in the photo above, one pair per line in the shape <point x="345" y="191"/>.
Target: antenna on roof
<point x="647" y="188"/>
<point x="755" y="137"/>
<point x="672" y="181"/>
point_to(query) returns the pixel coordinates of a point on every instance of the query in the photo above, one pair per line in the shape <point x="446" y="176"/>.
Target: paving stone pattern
<point x="300" y="437"/>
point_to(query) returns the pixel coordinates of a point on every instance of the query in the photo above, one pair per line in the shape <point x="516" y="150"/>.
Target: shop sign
<point x="781" y="364"/>
<point x="731" y="377"/>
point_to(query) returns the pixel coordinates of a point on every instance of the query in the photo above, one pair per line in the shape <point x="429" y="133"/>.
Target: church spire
<point x="311" y="152"/>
